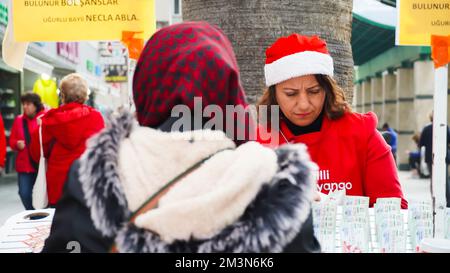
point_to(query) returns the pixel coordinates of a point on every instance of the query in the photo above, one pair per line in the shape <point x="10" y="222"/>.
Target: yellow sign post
<point x="76" y="20"/>
<point x="418" y="19"/>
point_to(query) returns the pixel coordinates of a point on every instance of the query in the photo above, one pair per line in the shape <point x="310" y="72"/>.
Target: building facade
<point x="395" y="82"/>
<point x="168" y="12"/>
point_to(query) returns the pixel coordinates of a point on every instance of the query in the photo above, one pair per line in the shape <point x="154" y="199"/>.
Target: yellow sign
<point x="76" y="20"/>
<point x="419" y="19"/>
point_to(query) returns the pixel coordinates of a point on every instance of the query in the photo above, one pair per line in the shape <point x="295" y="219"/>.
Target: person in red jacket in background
<point x="64" y="133"/>
<point x="2" y="145"/>
<point x="19" y="141"/>
<point x="350" y="152"/>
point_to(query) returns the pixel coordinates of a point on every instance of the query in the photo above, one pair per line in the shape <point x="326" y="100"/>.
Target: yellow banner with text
<point x="419" y="19"/>
<point x="77" y="20"/>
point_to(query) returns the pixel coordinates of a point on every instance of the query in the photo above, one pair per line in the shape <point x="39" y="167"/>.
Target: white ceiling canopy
<point x="37" y="66"/>
<point x="376" y="11"/>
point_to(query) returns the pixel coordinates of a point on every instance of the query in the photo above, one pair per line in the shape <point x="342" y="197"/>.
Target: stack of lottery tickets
<point x="347" y="224"/>
<point x="420" y="222"/>
<point x="389" y="226"/>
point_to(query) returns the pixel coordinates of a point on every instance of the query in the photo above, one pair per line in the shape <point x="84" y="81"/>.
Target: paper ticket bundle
<point x="355" y="226"/>
<point x="389" y="225"/>
<point x="324" y="220"/>
<point x="420" y="222"/>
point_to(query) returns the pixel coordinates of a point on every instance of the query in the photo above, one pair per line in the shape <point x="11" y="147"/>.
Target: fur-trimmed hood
<point x="245" y="199"/>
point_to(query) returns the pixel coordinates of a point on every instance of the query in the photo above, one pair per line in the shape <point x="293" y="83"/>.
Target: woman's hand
<point x="20" y="145"/>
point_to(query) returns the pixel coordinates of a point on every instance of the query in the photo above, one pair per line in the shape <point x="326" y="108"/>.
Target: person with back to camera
<point x="350" y="152"/>
<point x="64" y="133"/>
<point x="221" y="197"/>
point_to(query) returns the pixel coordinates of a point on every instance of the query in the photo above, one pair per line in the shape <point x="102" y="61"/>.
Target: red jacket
<point x="2" y="143"/>
<point x="64" y="134"/>
<point x="23" y="164"/>
<point x="351" y="154"/>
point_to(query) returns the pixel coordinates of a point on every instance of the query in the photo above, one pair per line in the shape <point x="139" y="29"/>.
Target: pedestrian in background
<point x="347" y="147"/>
<point x="426" y="140"/>
<point x="19" y="141"/>
<point x="391" y="139"/>
<point x="414" y="157"/>
<point x="220" y="198"/>
<point x="64" y="133"/>
<point x="2" y="146"/>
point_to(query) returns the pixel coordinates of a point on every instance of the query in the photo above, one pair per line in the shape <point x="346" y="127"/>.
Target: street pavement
<point x="10" y="203"/>
<point x="414" y="189"/>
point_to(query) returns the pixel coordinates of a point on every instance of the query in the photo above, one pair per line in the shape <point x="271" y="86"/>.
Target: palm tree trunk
<point x="252" y="25"/>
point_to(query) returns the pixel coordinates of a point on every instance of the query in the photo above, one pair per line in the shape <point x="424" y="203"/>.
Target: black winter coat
<point x="73" y="223"/>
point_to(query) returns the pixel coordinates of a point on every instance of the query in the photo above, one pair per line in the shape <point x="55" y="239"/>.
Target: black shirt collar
<point x="301" y="130"/>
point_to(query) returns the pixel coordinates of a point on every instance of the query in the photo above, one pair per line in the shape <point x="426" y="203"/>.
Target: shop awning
<point x="373" y="29"/>
<point x="37" y="66"/>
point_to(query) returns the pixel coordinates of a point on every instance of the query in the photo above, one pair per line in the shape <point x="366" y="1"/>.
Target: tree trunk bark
<point x="253" y="25"/>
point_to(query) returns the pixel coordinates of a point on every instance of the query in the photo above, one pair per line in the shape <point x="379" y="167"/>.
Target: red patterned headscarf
<point x="183" y="61"/>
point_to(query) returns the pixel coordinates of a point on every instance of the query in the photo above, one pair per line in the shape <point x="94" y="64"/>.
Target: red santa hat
<point x="295" y="56"/>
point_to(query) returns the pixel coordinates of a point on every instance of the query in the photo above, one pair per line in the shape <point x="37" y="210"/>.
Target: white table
<point x="20" y="234"/>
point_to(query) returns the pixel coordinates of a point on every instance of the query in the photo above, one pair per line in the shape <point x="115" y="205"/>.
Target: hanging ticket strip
<point x="346" y="224"/>
<point x="26" y="231"/>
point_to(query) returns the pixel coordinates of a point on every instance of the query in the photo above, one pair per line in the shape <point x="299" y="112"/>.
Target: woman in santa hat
<point x="350" y="152"/>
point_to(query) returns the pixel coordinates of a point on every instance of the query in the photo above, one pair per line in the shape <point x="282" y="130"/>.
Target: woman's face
<point x="29" y="109"/>
<point x="301" y="99"/>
